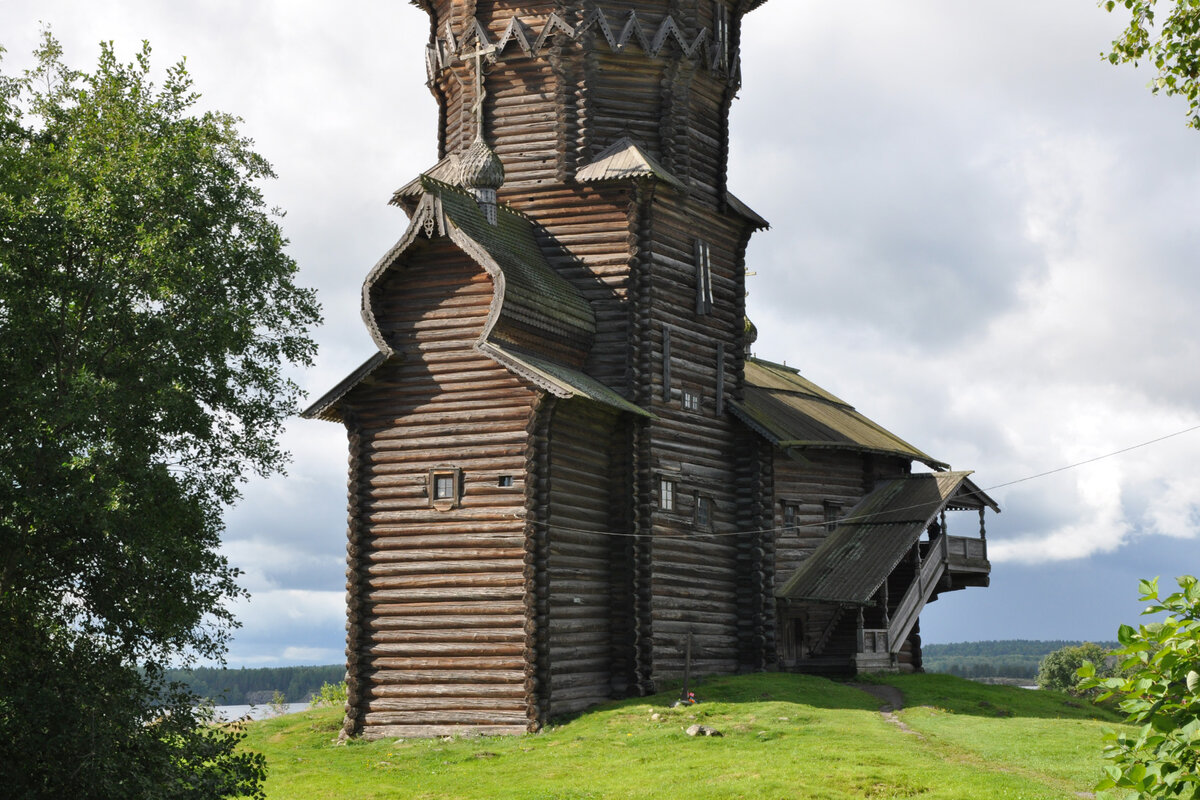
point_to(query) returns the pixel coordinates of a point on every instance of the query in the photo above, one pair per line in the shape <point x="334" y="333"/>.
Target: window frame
<point x="702" y="521"/>
<point x="833" y="515"/>
<point x="790" y="513"/>
<point x="438" y="474"/>
<point x="704" y="290"/>
<point x="668" y="494"/>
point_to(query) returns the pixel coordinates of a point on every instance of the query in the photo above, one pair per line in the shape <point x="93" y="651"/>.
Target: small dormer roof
<point x="625" y="160"/>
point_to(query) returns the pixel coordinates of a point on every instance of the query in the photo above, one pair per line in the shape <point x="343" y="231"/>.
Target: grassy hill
<point x="784" y="736"/>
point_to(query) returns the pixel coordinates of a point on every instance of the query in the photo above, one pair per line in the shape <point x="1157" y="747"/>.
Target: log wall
<point x="590" y="573"/>
<point x="439" y="596"/>
<point x="696" y="571"/>
<point x="552" y="108"/>
<point x="823" y="477"/>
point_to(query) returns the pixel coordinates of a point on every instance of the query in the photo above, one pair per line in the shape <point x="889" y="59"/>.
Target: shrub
<point x="330" y="694"/>
<point x="1160" y="692"/>
<point x="1058" y="670"/>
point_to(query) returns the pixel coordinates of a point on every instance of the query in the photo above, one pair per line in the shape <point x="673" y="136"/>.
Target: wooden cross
<point x="480" y="51"/>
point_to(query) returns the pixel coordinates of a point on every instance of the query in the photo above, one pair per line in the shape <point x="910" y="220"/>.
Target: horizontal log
<point x="473" y="704"/>
<point x="438" y="677"/>
<point x="486" y="610"/>
<point x="452" y="594"/>
<point x="462" y="580"/>
<point x="446" y="621"/>
<point x="377" y="731"/>
<point x="445" y="567"/>
<point x="449" y="663"/>
<point x="473" y="648"/>
<point x="445" y="717"/>
<point x="512" y="636"/>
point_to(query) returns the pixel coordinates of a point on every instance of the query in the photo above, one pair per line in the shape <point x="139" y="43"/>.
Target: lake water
<point x="229" y="713"/>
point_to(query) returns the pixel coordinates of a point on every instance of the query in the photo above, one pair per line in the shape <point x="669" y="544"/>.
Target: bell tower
<point x="611" y="121"/>
<point x="564" y="80"/>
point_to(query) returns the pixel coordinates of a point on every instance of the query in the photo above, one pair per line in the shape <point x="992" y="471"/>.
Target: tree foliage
<point x="147" y="311"/>
<point x="1170" y="43"/>
<point x="1059" y="670"/>
<point x="1160" y="692"/>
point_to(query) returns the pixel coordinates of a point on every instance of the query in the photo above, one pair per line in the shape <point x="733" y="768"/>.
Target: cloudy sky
<point x="985" y="237"/>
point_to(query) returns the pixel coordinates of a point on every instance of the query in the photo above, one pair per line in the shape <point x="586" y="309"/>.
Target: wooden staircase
<point x="926" y="580"/>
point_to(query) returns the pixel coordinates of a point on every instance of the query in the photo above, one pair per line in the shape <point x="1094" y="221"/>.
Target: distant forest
<point x="1009" y="658"/>
<point x="236" y="687"/>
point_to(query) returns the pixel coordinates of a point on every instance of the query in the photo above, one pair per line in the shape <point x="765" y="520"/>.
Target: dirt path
<point x="893" y="701"/>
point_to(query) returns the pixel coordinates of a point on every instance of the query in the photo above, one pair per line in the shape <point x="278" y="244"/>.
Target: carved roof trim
<point x="634" y="29"/>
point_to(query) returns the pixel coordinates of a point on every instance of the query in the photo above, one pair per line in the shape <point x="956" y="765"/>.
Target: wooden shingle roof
<point x="528" y="292"/>
<point x="792" y="412"/>
<point x="854" y="561"/>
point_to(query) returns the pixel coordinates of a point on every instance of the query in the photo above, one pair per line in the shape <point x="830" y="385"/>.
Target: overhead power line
<point x="816" y="525"/>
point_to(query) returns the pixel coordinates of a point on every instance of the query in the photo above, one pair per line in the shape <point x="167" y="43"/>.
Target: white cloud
<point x="312" y="655"/>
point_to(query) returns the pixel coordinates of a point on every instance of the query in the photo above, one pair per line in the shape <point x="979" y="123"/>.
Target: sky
<point x="983" y="236"/>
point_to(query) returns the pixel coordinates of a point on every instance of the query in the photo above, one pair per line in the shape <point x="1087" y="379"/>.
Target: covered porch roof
<point x="857" y="557"/>
<point x="795" y="414"/>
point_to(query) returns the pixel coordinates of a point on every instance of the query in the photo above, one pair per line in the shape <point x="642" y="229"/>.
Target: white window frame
<point x="668" y="494"/>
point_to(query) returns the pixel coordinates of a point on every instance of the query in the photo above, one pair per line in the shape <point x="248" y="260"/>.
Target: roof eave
<point x="932" y="463"/>
<point x="325" y="407"/>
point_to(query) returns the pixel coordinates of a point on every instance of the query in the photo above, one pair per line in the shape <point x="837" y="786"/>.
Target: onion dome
<point x="479" y="168"/>
<point x="481" y="173"/>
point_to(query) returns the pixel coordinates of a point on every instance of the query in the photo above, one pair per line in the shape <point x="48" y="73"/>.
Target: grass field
<point x="784" y="736"/>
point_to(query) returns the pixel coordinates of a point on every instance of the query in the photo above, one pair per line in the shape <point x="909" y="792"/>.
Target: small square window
<point x="445" y="487"/>
<point x="506" y="481"/>
<point x="691" y="400"/>
<point x="790" y="512"/>
<point x="704" y="508"/>
<point x="833" y="513"/>
<point x="666" y="495"/>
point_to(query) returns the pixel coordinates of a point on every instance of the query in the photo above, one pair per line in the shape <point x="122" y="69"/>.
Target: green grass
<point x="785" y="736"/>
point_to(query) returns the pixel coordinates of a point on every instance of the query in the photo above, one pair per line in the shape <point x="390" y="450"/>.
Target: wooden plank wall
<point x="443" y="642"/>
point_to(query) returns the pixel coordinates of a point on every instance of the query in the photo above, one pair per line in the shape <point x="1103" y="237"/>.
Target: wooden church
<point x="566" y="471"/>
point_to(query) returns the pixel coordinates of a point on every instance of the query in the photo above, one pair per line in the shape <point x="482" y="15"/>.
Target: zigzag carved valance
<point x="712" y="50"/>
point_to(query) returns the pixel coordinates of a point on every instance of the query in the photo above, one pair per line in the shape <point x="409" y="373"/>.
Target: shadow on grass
<point x="945" y="692"/>
<point x="961" y="696"/>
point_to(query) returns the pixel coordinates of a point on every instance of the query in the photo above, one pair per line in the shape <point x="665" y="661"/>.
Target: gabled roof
<point x="793" y="412"/>
<point x="854" y="561"/>
<point x="625" y="160"/>
<point x="528" y="290"/>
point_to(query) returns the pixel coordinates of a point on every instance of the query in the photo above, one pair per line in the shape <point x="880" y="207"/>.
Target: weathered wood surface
<point x="573" y="584"/>
<point x="439" y="594"/>
<point x="583" y="582"/>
